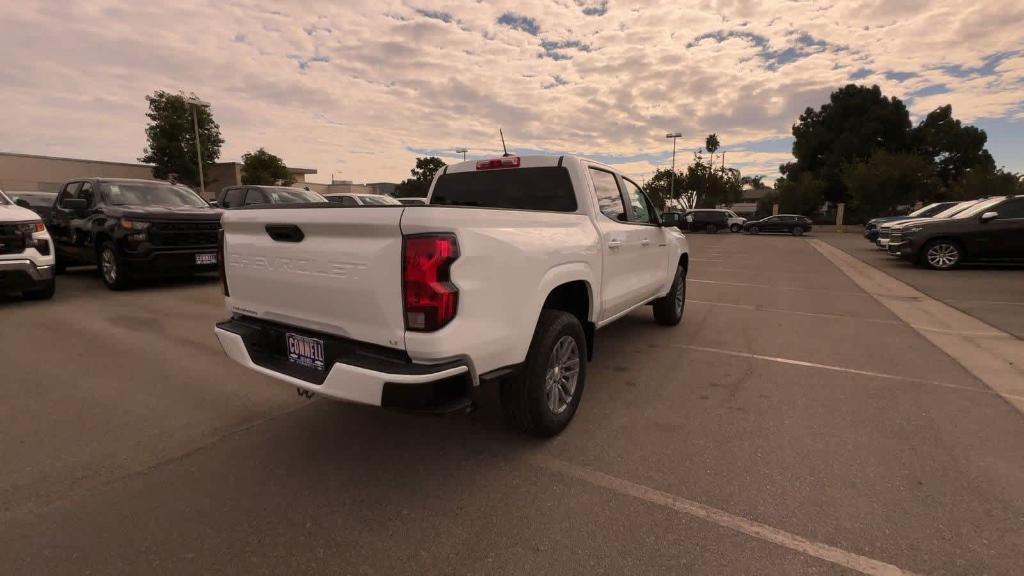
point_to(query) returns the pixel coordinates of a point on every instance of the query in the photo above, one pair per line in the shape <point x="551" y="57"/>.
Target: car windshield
<point x="979" y="207"/>
<point x="151" y="194"/>
<point x="284" y="195"/>
<point x="955" y="209"/>
<point x="929" y="210"/>
<point x="4" y="200"/>
<point x="40" y="199"/>
<point x="379" y="201"/>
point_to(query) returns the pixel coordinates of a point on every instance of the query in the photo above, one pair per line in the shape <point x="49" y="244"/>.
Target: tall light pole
<point x="672" y="182"/>
<point x="196" y="103"/>
<point x="463" y="152"/>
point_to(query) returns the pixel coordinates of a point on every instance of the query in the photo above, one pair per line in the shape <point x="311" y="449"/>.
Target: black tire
<point x="117" y="278"/>
<point x="755" y="230"/>
<point x="711" y="229"/>
<point x="46" y="292"/>
<point x="941" y="254"/>
<point x="60" y="265"/>
<point x="797" y="231"/>
<point x="524" y="397"/>
<point x="668" y="310"/>
<point x="735" y="228"/>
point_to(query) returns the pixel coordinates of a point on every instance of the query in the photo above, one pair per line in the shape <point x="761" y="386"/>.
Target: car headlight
<point x="128" y="224"/>
<point x="30" y="228"/>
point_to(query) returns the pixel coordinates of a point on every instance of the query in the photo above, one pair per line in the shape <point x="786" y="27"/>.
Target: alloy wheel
<point x="562" y="375"/>
<point x="943" y="255"/>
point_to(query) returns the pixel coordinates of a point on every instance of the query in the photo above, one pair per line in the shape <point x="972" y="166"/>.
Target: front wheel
<point x="668" y="310"/>
<point x="797" y="231"/>
<point x="544" y="396"/>
<point x="942" y="254"/>
<point x="735" y="228"/>
<point x="755" y="230"/>
<point x="112" y="268"/>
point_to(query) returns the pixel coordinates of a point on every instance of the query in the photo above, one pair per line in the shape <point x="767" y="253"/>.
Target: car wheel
<point x="755" y="230"/>
<point x="60" y="264"/>
<point x="542" y="399"/>
<point x="111" y="268"/>
<point x="44" y="293"/>
<point x="735" y="228"/>
<point x="797" y="231"/>
<point x="711" y="229"/>
<point x="941" y="254"/>
<point x="668" y="310"/>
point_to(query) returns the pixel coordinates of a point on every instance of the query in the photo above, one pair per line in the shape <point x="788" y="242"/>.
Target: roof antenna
<point x="506" y="154"/>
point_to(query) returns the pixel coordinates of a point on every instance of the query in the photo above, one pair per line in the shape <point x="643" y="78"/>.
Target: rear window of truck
<point x="545" y="188"/>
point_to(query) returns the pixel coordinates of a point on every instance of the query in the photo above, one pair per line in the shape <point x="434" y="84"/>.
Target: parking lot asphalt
<point x="993" y="293"/>
<point x="790" y="425"/>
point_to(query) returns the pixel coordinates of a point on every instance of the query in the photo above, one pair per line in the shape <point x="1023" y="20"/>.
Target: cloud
<point x="361" y="88"/>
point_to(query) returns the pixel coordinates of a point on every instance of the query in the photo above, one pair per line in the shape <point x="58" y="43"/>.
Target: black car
<point x="991" y="230"/>
<point x="131" y="228"/>
<point x="39" y="202"/>
<point x="794" y="224"/>
<point x="706" y="220"/>
<point x="239" y="196"/>
<point x="871" y="228"/>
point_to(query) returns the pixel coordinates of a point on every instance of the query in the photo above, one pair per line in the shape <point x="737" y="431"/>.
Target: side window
<point x="255" y="196"/>
<point x="233" y="198"/>
<point x="70" y="191"/>
<point x="348" y="201"/>
<point x="85" y="193"/>
<point x="1011" y="209"/>
<point x="609" y="199"/>
<point x="640" y="208"/>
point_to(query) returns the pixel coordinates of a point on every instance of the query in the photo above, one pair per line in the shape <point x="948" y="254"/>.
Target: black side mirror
<point x="74" y="204"/>
<point x="671" y="219"/>
<point x="988" y="216"/>
<point x="23" y="203"/>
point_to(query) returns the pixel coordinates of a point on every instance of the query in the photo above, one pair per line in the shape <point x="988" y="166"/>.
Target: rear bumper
<point x="23" y="274"/>
<point x="356" y="372"/>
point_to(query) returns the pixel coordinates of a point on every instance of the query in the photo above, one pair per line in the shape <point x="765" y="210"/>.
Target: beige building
<point x="46" y="173"/>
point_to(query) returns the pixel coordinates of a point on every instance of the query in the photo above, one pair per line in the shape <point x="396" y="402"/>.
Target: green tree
<point x="986" y="182"/>
<point x="262" y="167"/>
<point x="803" y="195"/>
<point x="855" y="122"/>
<point x="658" y="187"/>
<point x="171" y="137"/>
<point x="954" y="148"/>
<point x="888" y="180"/>
<point x="422" y="176"/>
<point x="711" y="144"/>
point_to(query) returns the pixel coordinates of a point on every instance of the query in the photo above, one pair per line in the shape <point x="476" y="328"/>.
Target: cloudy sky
<point x="359" y="88"/>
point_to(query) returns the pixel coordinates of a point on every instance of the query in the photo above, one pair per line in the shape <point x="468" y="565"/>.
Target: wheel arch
<point x="571" y="289"/>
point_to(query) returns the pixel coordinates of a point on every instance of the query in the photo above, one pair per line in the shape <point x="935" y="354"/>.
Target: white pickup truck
<point x="504" y="276"/>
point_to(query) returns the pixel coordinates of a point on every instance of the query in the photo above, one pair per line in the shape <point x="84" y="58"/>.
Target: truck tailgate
<point x="333" y="270"/>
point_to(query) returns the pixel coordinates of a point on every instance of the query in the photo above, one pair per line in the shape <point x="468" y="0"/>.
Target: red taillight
<point x="430" y="297"/>
<point x="495" y="163"/>
<point x="220" y="261"/>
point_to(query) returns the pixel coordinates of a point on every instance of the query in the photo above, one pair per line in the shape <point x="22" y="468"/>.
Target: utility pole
<point x="463" y="152"/>
<point x="672" y="181"/>
<point x="196" y="103"/>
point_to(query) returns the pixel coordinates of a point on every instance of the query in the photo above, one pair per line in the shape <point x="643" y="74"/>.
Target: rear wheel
<point x="941" y="254"/>
<point x="542" y="399"/>
<point x="668" y="310"/>
<point x="797" y="231"/>
<point x="45" y="292"/>
<point x="735" y="228"/>
<point x="755" y="230"/>
<point x="111" y="268"/>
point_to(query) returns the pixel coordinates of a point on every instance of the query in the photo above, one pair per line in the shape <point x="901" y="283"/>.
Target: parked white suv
<point x="505" y="276"/>
<point x="26" y="252"/>
<point x="348" y="199"/>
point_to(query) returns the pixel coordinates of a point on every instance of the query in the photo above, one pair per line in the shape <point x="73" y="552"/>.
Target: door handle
<point x="645" y="242"/>
<point x="614" y="244"/>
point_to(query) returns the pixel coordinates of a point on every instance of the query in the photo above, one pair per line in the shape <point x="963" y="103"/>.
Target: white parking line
<point x="994" y="357"/>
<point x="793" y="362"/>
<point x="724" y="519"/>
<point x="788" y="288"/>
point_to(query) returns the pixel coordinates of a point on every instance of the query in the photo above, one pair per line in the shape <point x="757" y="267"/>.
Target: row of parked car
<point x="714" y="220"/>
<point x="128" y="229"/>
<point x="944" y="235"/>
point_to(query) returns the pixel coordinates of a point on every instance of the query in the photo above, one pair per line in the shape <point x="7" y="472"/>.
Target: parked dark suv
<point x="130" y="228"/>
<point x="239" y="196"/>
<point x="992" y="229"/>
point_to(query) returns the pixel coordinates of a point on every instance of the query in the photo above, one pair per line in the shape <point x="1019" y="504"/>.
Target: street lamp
<point x="672" y="182"/>
<point x="196" y="103"/>
<point x="463" y="152"/>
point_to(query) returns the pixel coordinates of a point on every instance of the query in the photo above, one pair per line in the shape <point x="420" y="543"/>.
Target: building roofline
<point x="41" y="157"/>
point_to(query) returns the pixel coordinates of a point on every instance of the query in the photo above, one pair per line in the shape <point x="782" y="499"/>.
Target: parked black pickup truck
<point x="992" y="229"/>
<point x="132" y="228"/>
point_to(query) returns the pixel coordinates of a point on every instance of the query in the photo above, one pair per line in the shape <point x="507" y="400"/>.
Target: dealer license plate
<point x="305" y="351"/>
<point x="206" y="258"/>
